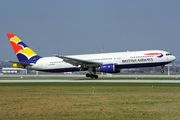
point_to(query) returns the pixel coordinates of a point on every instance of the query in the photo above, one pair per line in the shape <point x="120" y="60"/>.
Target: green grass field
<point x="78" y="101"/>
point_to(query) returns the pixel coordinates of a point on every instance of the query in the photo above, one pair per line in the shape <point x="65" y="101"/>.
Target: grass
<point x="77" y="101"/>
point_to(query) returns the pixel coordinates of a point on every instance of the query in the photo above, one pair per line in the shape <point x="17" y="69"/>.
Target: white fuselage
<point x="121" y="60"/>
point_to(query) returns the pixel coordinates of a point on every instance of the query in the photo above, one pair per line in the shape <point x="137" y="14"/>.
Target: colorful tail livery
<point x="22" y="51"/>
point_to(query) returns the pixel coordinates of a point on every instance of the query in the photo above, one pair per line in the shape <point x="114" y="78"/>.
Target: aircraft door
<point x="45" y="64"/>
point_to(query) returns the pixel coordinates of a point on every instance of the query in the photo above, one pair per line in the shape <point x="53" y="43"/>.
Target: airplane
<point x="92" y="63"/>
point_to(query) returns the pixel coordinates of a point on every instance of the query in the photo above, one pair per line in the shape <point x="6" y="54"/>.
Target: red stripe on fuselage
<point x="153" y="54"/>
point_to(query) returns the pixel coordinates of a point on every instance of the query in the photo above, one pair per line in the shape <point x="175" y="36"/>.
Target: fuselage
<point x="135" y="59"/>
<point x="103" y="62"/>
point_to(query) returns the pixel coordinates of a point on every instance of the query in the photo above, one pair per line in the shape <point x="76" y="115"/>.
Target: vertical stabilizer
<point x="22" y="51"/>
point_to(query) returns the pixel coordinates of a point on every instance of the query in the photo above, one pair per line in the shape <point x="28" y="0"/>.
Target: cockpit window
<point x="168" y="54"/>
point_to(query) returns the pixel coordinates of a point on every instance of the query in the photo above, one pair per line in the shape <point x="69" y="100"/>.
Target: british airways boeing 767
<point x="104" y="62"/>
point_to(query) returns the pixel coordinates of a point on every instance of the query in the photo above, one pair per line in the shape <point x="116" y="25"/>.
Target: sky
<point x="70" y="27"/>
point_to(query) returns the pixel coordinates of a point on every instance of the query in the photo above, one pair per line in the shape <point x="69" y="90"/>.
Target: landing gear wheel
<point x="87" y="75"/>
<point x="91" y="76"/>
<point x="96" y="76"/>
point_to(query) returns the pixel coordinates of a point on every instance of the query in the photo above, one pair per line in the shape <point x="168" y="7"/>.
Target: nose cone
<point x="174" y="58"/>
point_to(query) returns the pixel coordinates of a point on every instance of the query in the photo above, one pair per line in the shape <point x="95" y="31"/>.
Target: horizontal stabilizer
<point x="20" y="63"/>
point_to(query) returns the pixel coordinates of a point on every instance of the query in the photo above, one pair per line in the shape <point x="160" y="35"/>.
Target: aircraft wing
<point x="77" y="62"/>
<point x="20" y="63"/>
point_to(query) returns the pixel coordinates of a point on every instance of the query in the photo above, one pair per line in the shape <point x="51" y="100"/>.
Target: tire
<point x="87" y="75"/>
<point x="91" y="76"/>
<point x="96" y="76"/>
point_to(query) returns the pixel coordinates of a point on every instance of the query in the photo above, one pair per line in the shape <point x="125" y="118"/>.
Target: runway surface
<point x="107" y="75"/>
<point x="33" y="78"/>
<point x="119" y="81"/>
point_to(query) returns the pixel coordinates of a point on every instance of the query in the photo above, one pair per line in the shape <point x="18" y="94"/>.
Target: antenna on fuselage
<point x="102" y="49"/>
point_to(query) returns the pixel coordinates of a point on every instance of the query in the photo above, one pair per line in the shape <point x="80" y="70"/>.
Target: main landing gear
<point x="92" y="76"/>
<point x="92" y="73"/>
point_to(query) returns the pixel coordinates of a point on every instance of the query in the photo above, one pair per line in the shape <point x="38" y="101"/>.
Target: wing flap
<point x="76" y="62"/>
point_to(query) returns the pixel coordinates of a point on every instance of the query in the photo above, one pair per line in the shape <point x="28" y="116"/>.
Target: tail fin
<point x="22" y="51"/>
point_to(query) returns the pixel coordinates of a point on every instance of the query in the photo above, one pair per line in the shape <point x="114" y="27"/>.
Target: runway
<point x="108" y="81"/>
<point x="82" y="78"/>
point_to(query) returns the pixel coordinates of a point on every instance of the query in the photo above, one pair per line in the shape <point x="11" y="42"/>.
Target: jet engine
<point x="108" y="68"/>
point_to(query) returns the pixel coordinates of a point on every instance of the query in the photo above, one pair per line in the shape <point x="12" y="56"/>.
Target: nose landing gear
<point x="162" y="69"/>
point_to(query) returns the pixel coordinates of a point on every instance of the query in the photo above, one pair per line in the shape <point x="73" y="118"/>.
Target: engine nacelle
<point x="108" y="68"/>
